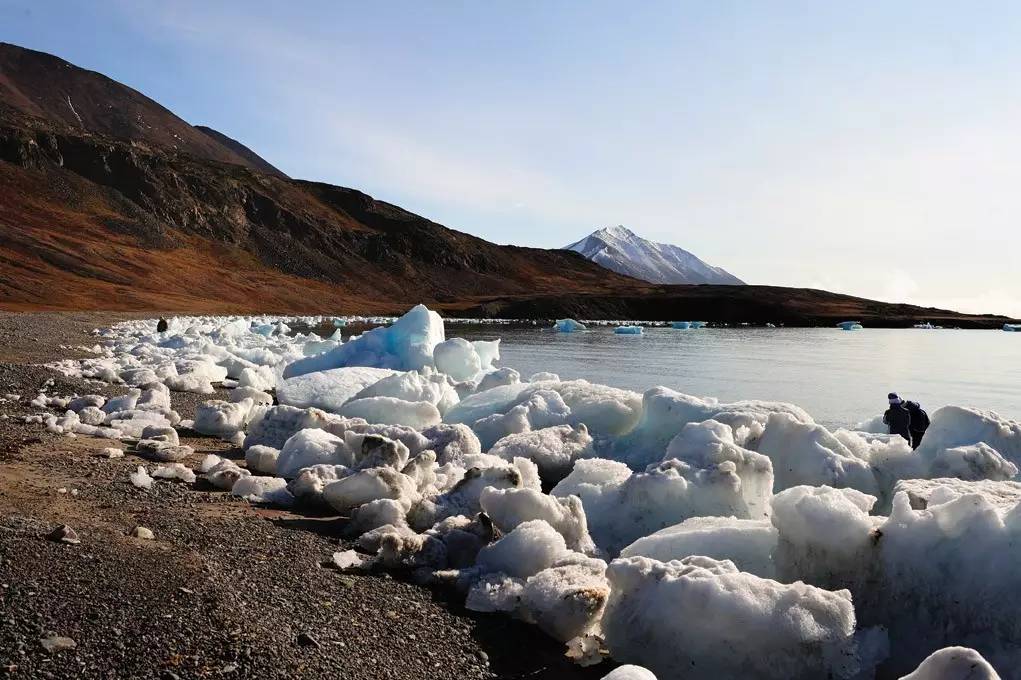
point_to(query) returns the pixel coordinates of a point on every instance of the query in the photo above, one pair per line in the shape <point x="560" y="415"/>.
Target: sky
<point x="871" y="148"/>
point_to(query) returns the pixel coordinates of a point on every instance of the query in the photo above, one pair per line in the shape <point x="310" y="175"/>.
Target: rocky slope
<point x="109" y="201"/>
<point x="621" y="250"/>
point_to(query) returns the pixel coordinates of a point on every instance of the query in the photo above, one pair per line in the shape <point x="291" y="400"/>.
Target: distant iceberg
<point x="568" y="326"/>
<point x="1012" y="327"/>
<point x="628" y="330"/>
<point x="850" y="325"/>
<point x="681" y="325"/>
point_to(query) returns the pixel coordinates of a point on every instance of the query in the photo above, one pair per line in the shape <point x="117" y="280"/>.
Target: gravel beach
<point x="224" y="589"/>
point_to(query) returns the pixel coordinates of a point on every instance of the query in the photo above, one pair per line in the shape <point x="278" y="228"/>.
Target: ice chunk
<point x="368" y="485"/>
<point x="568" y="326"/>
<point x="161" y="433"/>
<point x="258" y="378"/>
<point x="271" y="490"/>
<point x="954" y="663"/>
<point x="407" y="345"/>
<point x="262" y="459"/>
<point x="310" y="447"/>
<point x="275" y="425"/>
<point x="630" y="672"/>
<point x="748" y="543"/>
<point x="543" y="408"/>
<point x="391" y="411"/>
<point x="953" y="426"/>
<point x="528" y="549"/>
<point x="552" y="449"/>
<point x="411" y="386"/>
<point x="488" y="351"/>
<point x="707" y="444"/>
<point x="664" y="413"/>
<point x="328" y="390"/>
<point x="804" y="453"/>
<point x="125" y="402"/>
<point x="259" y="397"/>
<point x="972" y="462"/>
<point x="628" y="330"/>
<point x="222" y="473"/>
<point x="824" y="534"/>
<point x="141" y="478"/>
<point x="618" y="512"/>
<point x="501" y="376"/>
<point x="457" y="358"/>
<point x="189" y="382"/>
<point x="79" y="403"/>
<point x="567" y="599"/>
<point x="452" y="442"/>
<point x="309" y="483"/>
<point x="703" y="614"/>
<point x="222" y="418"/>
<point x="509" y="508"/>
<point x="921" y="492"/>
<point x="175" y="471"/>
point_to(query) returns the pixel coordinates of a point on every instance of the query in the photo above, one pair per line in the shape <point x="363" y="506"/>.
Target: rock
<point x="306" y="640"/>
<point x="143" y="533"/>
<point x="56" y="643"/>
<point x="65" y="534"/>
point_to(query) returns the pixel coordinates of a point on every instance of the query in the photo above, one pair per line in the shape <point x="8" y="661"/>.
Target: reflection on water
<point x="839" y="377"/>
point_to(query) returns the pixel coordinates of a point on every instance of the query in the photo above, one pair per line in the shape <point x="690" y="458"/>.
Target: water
<point x="840" y="377"/>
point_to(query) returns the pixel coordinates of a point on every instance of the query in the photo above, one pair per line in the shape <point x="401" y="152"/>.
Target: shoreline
<point x="226" y="589"/>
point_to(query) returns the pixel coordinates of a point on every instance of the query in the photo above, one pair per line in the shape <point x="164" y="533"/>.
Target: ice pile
<point x="694" y="537"/>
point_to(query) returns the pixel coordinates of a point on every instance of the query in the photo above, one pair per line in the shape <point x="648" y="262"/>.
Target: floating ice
<point x="568" y="326"/>
<point x="628" y="330"/>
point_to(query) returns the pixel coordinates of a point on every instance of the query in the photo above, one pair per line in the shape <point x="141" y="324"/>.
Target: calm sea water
<point x="840" y="377"/>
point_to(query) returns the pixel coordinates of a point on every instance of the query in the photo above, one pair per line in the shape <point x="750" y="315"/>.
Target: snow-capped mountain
<point x="621" y="250"/>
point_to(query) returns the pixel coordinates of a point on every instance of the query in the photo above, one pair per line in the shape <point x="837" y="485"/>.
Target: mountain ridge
<point x="101" y="212"/>
<point x="621" y="250"/>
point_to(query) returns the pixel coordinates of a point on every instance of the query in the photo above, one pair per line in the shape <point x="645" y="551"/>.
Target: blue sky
<point x="871" y="148"/>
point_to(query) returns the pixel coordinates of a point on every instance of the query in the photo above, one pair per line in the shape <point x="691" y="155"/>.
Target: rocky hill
<point x="110" y="201"/>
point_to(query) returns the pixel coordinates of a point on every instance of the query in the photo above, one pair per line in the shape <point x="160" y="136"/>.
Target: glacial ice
<point x="568" y="326"/>
<point x="704" y="614"/>
<point x="328" y="390"/>
<point x="750" y="541"/>
<point x="406" y="345"/>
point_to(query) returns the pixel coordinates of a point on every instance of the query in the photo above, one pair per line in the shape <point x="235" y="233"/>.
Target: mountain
<point x="71" y="98"/>
<point x="621" y="250"/>
<point x="110" y="201"/>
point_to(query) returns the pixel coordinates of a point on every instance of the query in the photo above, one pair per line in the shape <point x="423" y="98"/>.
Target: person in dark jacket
<point x="919" y="422"/>
<point x="897" y="417"/>
<point x="162" y="326"/>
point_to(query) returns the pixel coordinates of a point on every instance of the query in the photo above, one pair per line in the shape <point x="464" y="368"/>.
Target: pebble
<point x="56" y="643"/>
<point x="65" y="534"/>
<point x="143" y="533"/>
<point x="306" y="640"/>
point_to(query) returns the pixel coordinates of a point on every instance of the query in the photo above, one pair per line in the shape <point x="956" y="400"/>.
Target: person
<point x="162" y="326"/>
<point x="897" y="417"/>
<point x="919" y="422"/>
